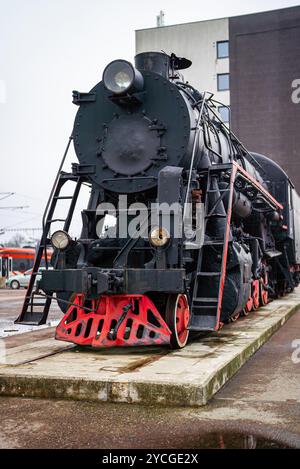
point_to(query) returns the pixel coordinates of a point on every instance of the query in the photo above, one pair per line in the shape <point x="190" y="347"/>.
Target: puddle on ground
<point x="223" y="440"/>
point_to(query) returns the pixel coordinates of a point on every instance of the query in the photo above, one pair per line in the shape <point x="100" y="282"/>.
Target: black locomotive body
<point x="145" y="133"/>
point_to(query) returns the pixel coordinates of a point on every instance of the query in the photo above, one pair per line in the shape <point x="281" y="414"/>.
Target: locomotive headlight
<point x="159" y="237"/>
<point x="60" y="240"/>
<point x="121" y="77"/>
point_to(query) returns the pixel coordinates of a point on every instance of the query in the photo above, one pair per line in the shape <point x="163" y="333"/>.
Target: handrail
<point x="51" y="196"/>
<point x="193" y="152"/>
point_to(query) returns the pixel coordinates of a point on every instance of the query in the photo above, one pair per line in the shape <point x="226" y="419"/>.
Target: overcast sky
<point x="47" y="49"/>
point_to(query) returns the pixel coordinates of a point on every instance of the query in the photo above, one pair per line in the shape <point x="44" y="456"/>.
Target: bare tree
<point x="17" y="241"/>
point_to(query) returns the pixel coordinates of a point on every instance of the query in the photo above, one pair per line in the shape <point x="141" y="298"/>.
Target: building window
<point x="224" y="113"/>
<point x="222" y="49"/>
<point x="223" y="81"/>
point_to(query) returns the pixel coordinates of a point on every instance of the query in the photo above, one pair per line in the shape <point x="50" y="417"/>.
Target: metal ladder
<point x="29" y="314"/>
<point x="36" y="307"/>
<point x="206" y="310"/>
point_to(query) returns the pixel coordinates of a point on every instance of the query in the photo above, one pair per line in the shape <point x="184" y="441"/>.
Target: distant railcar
<point x="16" y="261"/>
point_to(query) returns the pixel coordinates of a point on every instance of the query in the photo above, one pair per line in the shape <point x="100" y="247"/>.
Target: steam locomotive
<point x="145" y="133"/>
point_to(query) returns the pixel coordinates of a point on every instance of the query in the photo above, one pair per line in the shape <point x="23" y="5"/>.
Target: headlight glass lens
<point x="118" y="76"/>
<point x="122" y="80"/>
<point x="159" y="237"/>
<point x="60" y="239"/>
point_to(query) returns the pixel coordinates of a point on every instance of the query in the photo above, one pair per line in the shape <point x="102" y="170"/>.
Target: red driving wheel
<point x="177" y="318"/>
<point x="249" y="305"/>
<point x="263" y="291"/>
<point x="255" y="294"/>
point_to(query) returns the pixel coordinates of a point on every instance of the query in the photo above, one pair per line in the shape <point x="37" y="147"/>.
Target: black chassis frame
<point x="92" y="281"/>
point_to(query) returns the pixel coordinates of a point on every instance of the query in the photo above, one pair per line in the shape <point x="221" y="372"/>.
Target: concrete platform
<point x="38" y="366"/>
